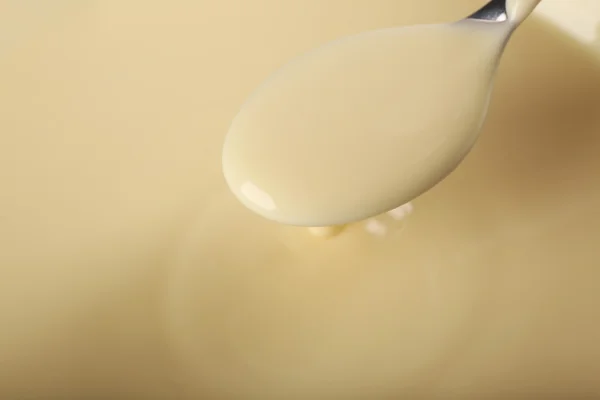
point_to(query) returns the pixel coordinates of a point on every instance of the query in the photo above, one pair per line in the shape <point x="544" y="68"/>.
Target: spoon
<point x="367" y="123"/>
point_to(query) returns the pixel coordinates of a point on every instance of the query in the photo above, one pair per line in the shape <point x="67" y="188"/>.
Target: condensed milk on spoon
<point x="366" y="123"/>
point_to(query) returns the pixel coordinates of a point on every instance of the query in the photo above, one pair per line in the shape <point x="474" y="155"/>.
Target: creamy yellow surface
<point x="364" y="124"/>
<point x="128" y="270"/>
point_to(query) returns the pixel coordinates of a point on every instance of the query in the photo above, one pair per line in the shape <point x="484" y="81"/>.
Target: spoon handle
<point x="494" y="11"/>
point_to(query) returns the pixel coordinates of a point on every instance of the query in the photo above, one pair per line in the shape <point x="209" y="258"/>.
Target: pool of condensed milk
<point x="128" y="270"/>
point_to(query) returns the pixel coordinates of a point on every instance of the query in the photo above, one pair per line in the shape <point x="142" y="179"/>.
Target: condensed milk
<point x="129" y="270"/>
<point x="366" y="123"/>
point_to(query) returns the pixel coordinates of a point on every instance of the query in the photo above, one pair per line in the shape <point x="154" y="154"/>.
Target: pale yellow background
<point x="112" y="115"/>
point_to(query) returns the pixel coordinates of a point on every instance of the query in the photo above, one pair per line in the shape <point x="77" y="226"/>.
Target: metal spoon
<point x="494" y="11"/>
<point x="277" y="163"/>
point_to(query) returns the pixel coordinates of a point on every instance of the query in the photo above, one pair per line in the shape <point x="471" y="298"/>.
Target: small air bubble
<point x="401" y="212"/>
<point x="376" y="228"/>
<point x="325" y="231"/>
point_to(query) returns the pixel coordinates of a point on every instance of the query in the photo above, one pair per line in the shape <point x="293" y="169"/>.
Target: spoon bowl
<point x="366" y="123"/>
